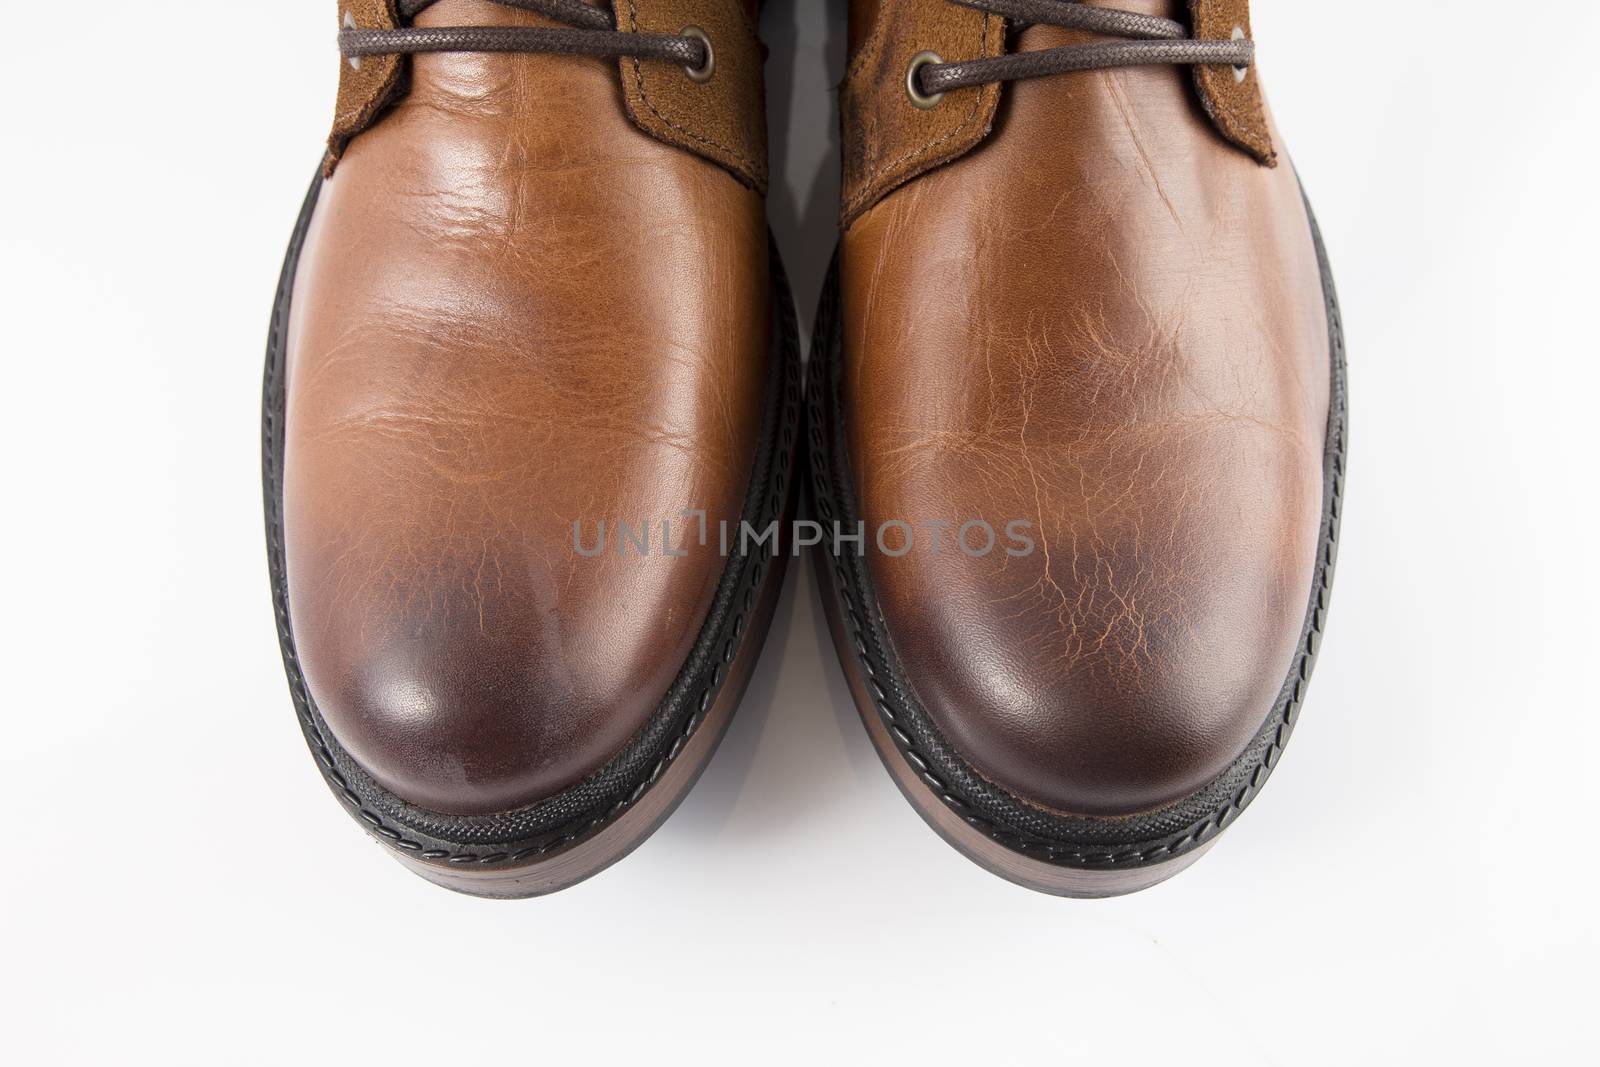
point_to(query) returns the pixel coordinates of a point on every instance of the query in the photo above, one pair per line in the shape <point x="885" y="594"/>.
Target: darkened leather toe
<point x="1127" y="350"/>
<point x="1099" y="693"/>
<point x="499" y="330"/>
<point x="469" y="695"/>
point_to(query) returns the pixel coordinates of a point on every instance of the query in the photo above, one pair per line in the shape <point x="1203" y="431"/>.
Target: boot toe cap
<point x="1093" y="704"/>
<point x="474" y="724"/>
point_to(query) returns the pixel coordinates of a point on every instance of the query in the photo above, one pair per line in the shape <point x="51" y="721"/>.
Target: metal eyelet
<point x="703" y="72"/>
<point x="1240" y="73"/>
<point x="919" y="98"/>
<point x="350" y="24"/>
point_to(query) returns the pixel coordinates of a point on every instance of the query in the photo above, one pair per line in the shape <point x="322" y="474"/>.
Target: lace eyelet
<point x="350" y="24"/>
<point x="920" y="99"/>
<point x="1240" y="73"/>
<point x="706" y="70"/>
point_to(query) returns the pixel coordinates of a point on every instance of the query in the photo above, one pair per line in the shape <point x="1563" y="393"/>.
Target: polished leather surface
<point x="1106" y="321"/>
<point x="514" y="310"/>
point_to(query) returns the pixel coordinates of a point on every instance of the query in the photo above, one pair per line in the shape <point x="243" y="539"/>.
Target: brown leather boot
<point x="1080" y="327"/>
<point x="530" y="299"/>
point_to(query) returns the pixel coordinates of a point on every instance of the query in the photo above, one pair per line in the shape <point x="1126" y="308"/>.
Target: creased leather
<point x="367" y="87"/>
<point x="1109" y="323"/>
<point x="1235" y="105"/>
<point x="513" y="311"/>
<point x="723" y="119"/>
<point x="887" y="141"/>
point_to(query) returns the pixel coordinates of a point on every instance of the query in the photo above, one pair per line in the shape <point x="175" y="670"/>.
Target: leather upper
<point x="514" y="311"/>
<point x="723" y="118"/>
<point x="886" y="142"/>
<point x="1106" y="321"/>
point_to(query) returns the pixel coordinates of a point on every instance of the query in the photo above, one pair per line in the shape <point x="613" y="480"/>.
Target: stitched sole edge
<point x="1171" y="837"/>
<point x="540" y="832"/>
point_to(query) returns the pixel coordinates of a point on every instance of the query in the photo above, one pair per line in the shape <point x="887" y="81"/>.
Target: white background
<point x="179" y="886"/>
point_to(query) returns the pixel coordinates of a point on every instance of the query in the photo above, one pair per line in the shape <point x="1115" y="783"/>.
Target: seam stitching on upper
<point x="759" y="170"/>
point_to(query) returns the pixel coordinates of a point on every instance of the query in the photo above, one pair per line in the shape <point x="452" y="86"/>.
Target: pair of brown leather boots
<point x="534" y="429"/>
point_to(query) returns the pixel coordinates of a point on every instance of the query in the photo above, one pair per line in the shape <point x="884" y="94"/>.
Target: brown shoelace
<point x="594" y="33"/>
<point x="1153" y="41"/>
